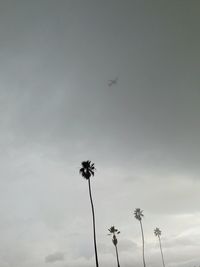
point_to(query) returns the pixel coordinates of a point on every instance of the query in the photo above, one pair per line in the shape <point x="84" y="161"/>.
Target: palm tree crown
<point x="113" y="231"/>
<point x="138" y="214"/>
<point x="87" y="169"/>
<point x="157" y="232"/>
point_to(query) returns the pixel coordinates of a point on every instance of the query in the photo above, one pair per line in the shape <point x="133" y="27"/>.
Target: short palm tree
<point x="113" y="231"/>
<point x="138" y="213"/>
<point x="87" y="170"/>
<point x="157" y="232"/>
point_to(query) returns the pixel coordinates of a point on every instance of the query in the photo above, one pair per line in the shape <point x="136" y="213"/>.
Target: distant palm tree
<point x="138" y="213"/>
<point x="87" y="170"/>
<point x="157" y="233"/>
<point x="113" y="231"/>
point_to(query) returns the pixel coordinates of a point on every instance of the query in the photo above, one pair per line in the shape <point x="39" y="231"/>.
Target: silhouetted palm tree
<point x="87" y="170"/>
<point x="138" y="213"/>
<point x="113" y="231"/>
<point x="157" y="233"/>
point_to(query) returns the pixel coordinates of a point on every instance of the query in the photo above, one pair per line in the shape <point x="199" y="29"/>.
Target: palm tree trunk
<point x="161" y="252"/>
<point x="142" y="244"/>
<point x="93" y="218"/>
<point x="117" y="256"/>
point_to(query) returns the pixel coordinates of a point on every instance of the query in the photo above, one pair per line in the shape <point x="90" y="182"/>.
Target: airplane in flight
<point x="112" y="82"/>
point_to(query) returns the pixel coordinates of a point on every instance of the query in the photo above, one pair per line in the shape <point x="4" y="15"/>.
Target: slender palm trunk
<point x="117" y="256"/>
<point x="142" y="243"/>
<point x="94" y="230"/>
<point x="161" y="252"/>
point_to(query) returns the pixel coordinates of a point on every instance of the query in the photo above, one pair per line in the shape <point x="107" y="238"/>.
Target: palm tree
<point x="113" y="231"/>
<point x="157" y="233"/>
<point x="87" y="170"/>
<point x="138" y="213"/>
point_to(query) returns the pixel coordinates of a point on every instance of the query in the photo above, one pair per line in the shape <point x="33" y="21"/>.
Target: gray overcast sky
<point x="57" y="110"/>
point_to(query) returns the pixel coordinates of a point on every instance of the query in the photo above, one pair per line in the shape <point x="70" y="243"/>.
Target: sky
<point x="57" y="110"/>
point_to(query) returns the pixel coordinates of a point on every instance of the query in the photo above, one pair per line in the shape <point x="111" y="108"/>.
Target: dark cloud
<point x="57" y="256"/>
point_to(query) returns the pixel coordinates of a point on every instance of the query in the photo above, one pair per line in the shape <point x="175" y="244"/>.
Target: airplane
<point x="111" y="82"/>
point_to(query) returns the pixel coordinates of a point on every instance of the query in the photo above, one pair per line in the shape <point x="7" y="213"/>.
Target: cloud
<point x="57" y="256"/>
<point x="143" y="135"/>
<point x="127" y="245"/>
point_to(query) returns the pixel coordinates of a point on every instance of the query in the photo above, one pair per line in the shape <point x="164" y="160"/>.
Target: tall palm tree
<point x="157" y="233"/>
<point x="87" y="170"/>
<point x="113" y="231"/>
<point x="138" y="213"/>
